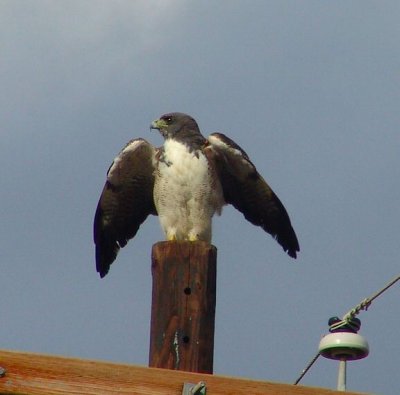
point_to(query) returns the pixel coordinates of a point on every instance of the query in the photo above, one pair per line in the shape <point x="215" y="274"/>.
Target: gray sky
<point x="309" y="89"/>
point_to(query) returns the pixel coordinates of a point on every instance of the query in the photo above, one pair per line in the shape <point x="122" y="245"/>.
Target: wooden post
<point x="183" y="306"/>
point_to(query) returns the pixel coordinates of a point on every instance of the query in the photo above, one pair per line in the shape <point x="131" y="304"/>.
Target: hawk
<point x="185" y="182"/>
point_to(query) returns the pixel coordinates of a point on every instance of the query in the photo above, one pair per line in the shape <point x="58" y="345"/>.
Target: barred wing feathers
<point x="248" y="192"/>
<point x="125" y="202"/>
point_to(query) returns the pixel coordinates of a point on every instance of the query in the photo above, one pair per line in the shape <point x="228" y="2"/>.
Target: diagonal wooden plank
<point x="37" y="374"/>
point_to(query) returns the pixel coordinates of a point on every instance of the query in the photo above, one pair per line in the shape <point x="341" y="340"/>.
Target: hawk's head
<point x="175" y="125"/>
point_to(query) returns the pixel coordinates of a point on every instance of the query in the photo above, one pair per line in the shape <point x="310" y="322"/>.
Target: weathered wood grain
<point x="183" y="306"/>
<point x="35" y="374"/>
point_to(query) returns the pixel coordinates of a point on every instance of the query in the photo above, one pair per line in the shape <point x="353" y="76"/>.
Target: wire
<point x="307" y="368"/>
<point x="363" y="305"/>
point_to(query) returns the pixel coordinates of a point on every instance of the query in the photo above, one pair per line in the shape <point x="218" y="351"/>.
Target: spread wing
<point x="248" y="192"/>
<point x="126" y="201"/>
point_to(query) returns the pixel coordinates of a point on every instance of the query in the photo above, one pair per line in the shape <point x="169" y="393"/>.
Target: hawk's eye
<point x="167" y="119"/>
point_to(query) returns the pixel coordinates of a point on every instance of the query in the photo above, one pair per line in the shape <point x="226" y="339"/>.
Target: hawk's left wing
<point x="248" y="192"/>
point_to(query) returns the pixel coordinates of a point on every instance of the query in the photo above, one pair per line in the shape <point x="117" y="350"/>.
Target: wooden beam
<point x="183" y="306"/>
<point x="35" y="374"/>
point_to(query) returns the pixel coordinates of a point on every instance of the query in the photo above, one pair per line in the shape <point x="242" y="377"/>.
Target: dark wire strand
<point x="306" y="369"/>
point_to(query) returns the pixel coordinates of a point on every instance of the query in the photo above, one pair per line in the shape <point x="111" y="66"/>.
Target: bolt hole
<point x="187" y="291"/>
<point x="186" y="339"/>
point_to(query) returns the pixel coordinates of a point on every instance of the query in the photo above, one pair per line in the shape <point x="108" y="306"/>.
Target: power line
<point x="363" y="305"/>
<point x="307" y="368"/>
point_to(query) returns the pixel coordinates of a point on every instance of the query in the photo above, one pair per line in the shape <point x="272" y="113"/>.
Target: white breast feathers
<point x="187" y="193"/>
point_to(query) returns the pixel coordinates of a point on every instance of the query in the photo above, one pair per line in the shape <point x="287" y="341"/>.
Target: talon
<point x="171" y="237"/>
<point x="193" y="237"/>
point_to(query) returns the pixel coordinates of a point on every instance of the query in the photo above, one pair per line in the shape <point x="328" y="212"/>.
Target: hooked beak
<point x="158" y="124"/>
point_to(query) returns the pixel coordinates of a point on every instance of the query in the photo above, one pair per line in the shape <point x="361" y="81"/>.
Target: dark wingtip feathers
<point x="288" y="240"/>
<point x="106" y="253"/>
<point x="106" y="248"/>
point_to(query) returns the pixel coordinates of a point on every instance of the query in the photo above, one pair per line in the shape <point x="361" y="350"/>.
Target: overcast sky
<point x="310" y="89"/>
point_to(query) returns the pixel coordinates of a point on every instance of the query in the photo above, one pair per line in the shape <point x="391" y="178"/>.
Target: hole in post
<point x="186" y="339"/>
<point x="187" y="291"/>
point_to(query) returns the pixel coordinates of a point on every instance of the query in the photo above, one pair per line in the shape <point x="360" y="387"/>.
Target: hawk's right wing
<point x="126" y="201"/>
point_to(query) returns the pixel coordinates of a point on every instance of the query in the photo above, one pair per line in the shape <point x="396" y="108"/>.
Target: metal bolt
<point x="194" y="389"/>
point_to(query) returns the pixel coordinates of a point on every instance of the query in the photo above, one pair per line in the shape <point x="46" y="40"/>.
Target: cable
<point x="307" y="368"/>
<point x="363" y="305"/>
